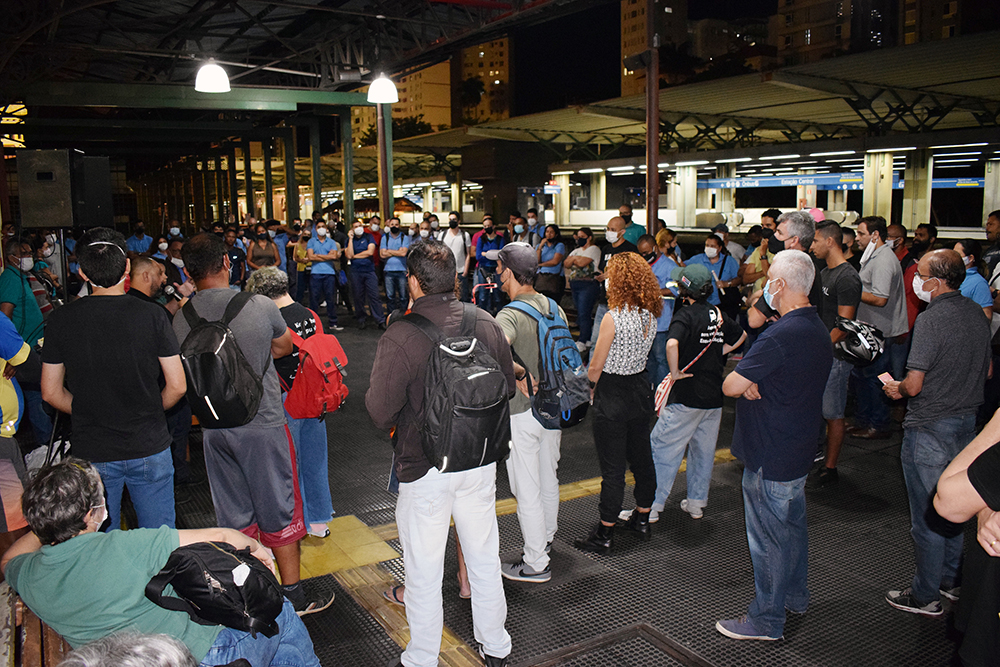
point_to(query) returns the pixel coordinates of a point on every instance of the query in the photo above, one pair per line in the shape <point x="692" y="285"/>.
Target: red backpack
<point x="319" y="382"/>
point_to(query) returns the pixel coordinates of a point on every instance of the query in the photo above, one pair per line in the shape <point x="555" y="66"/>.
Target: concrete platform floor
<point x="645" y="604"/>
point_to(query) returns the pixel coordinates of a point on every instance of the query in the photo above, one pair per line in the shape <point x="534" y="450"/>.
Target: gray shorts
<point x="835" y="394"/>
<point x="254" y="483"/>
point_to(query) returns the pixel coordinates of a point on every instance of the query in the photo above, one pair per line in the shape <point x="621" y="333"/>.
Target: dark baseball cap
<point x="693" y="276"/>
<point x="519" y="257"/>
<point x="721" y="227"/>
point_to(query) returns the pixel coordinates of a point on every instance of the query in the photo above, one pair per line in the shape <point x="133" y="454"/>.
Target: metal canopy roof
<point x="325" y="44"/>
<point x="947" y="84"/>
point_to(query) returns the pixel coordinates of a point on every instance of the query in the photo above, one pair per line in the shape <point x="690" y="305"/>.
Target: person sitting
<point x="87" y="585"/>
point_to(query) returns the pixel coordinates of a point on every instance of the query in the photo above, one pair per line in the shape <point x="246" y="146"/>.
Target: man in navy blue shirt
<point x="322" y="251"/>
<point x="360" y="250"/>
<point x="780" y="385"/>
<point x="488" y="298"/>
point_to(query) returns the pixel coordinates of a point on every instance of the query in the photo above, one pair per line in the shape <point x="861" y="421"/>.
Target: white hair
<point x="795" y="268"/>
<point x="128" y="649"/>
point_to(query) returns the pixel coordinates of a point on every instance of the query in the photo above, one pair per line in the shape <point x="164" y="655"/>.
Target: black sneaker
<point x="491" y="661"/>
<point x="822" y="477"/>
<point x="904" y="600"/>
<point x="306" y="604"/>
<point x="520" y="571"/>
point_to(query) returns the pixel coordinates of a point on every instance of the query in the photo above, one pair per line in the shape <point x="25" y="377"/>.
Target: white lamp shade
<point x="382" y="91"/>
<point x="211" y="79"/>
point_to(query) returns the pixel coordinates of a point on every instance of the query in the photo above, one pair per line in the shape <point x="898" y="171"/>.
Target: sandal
<point x="392" y="595"/>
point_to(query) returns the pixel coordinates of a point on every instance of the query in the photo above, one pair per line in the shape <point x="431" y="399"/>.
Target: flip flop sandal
<point x="392" y="596"/>
<point x="465" y="597"/>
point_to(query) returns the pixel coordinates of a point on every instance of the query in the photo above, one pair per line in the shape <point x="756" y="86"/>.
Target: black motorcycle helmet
<point x="862" y="345"/>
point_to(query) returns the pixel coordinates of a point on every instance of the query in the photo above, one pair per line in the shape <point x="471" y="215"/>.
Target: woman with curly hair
<point x="623" y="402"/>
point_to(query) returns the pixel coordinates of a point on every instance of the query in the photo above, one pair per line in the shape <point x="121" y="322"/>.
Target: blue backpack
<point x="563" y="386"/>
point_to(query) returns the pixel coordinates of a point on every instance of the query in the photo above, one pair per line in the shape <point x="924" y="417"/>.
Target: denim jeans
<point x="488" y="298"/>
<point x="323" y="287"/>
<point x="311" y="457"/>
<point x="682" y="428"/>
<point x="41" y="423"/>
<point x="602" y="310"/>
<point x="301" y="282"/>
<point x="656" y="365"/>
<point x="150" y="482"/>
<point x="179" y="425"/>
<point x="835" y="394"/>
<point x="291" y="647"/>
<point x="779" y="549"/>
<point x="584" y="297"/>
<point x="395" y="290"/>
<point x="366" y="292"/>
<point x="927" y="451"/>
<point x="873" y="406"/>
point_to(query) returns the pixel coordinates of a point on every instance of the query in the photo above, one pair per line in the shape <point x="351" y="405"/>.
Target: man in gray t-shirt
<point x="251" y="468"/>
<point x="883" y="305"/>
<point x="946" y="370"/>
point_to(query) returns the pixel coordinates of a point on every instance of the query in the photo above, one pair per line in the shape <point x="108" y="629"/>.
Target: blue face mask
<point x="768" y="296"/>
<point x="518" y="229"/>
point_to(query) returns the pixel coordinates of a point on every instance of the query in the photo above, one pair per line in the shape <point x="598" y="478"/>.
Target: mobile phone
<point x="886" y="378"/>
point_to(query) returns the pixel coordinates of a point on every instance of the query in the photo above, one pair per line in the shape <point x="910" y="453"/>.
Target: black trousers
<point x="623" y="408"/>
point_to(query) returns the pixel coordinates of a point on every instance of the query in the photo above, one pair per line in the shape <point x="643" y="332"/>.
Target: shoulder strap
<point x="426" y="327"/>
<point x="154" y="592"/>
<point x="525" y="308"/>
<point x="711" y="339"/>
<point x="469" y="317"/>
<point x="235" y="306"/>
<point x="191" y="315"/>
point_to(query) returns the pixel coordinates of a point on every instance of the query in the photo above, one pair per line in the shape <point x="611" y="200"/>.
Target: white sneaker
<point x="654" y="516"/>
<point x="695" y="512"/>
<point x="625" y="515"/>
<point x="581" y="346"/>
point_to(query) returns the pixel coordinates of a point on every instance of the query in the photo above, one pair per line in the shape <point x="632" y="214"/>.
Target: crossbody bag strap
<point x="711" y="340"/>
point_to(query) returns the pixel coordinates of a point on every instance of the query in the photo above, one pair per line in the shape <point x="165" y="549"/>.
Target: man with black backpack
<point x="534" y="456"/>
<point x="250" y="458"/>
<point x="442" y="377"/>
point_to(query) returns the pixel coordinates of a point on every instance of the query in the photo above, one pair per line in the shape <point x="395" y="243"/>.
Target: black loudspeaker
<point x="59" y="188"/>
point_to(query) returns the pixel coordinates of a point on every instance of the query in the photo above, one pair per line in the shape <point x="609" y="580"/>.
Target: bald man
<point x="614" y="234"/>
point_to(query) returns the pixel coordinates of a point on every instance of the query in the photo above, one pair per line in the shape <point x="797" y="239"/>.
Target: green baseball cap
<point x="693" y="277"/>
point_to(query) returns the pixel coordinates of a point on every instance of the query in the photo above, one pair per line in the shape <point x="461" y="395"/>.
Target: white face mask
<point x="321" y="232"/>
<point x="51" y="238"/>
<point x="374" y="227"/>
<point x="710" y="252"/>
<point x="434" y="224"/>
<point x="918" y="289"/>
<point x="272" y="233"/>
<point x="424" y="233"/>
<point x="179" y="263"/>
<point x="175" y="231"/>
<point x="532" y="222"/>
<point x="99" y="519"/>
<point x="411" y="232"/>
<point x="967" y="260"/>
<point x="359" y="231"/>
<point x="27" y="264"/>
<point x="612" y="237"/>
<point x="162" y="247"/>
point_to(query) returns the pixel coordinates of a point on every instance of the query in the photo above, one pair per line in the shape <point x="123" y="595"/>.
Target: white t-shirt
<point x="459" y="244"/>
<point x="736" y="250"/>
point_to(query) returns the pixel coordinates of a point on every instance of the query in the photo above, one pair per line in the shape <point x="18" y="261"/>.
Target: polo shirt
<point x="390" y="242"/>
<point x="138" y="244"/>
<point x="974" y="287"/>
<point x="882" y="276"/>
<point x="323" y="247"/>
<point x="725" y="269"/>
<point x="790" y="362"/>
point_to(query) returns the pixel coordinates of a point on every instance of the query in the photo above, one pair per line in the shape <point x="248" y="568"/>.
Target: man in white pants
<point x="428" y="498"/>
<point x="534" y="454"/>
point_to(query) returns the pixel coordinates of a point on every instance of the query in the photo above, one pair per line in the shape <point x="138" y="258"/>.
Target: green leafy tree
<point x="407" y="126"/>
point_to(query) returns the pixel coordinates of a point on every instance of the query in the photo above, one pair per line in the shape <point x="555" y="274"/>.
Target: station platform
<point x="646" y="604"/>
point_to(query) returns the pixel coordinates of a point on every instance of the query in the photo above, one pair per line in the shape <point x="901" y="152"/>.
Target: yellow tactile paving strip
<point x="353" y="550"/>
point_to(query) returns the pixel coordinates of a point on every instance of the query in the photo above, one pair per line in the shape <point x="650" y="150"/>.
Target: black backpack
<point x="222" y="387"/>
<point x="466" y="411"/>
<point x="204" y="577"/>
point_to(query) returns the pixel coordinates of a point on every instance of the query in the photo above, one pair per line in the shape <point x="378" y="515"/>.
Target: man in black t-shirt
<point x="309" y="435"/>
<point x="237" y="261"/>
<point x="121" y="365"/>
<point x="616" y="243"/>
<point x="841" y="296"/>
<point x="690" y="421"/>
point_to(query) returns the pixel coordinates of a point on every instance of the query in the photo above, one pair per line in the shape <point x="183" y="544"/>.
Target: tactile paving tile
<point x="346" y="635"/>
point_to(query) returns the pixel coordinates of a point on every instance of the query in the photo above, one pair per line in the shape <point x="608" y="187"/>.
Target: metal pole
<point x="268" y="186"/>
<point x="347" y="169"/>
<point x="248" y="179"/>
<point x="291" y="187"/>
<point x="65" y="263"/>
<point x="652" y="117"/>
<point x="316" y="154"/>
<point x="384" y="185"/>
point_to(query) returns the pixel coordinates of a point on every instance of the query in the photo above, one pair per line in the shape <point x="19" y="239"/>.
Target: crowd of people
<point x="654" y="334"/>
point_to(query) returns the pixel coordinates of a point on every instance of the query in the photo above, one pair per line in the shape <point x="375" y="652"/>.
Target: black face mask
<point x="394" y="230"/>
<point x="139" y="231"/>
<point x="626" y="218"/>
<point x="581" y="242"/>
<point x="766" y="233"/>
<point x="453" y="223"/>
<point x="488" y="230"/>
<point x="649" y="257"/>
<point x="774" y="246"/>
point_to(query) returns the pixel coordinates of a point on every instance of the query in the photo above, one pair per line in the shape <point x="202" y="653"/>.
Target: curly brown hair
<point x="631" y="284"/>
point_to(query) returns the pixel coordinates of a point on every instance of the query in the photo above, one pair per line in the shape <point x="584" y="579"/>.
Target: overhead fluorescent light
<point x="439" y="182"/>
<point x="954" y="166"/>
<point x="892" y="150"/>
<point x="802" y="162"/>
<point x="849" y="159"/>
<point x="937" y="155"/>
<point x="779" y="157"/>
<point x="692" y="163"/>
<point x="562" y="173"/>
<point x="595" y="170"/>
<point x="628" y="168"/>
<point x="961" y="159"/>
<point x="734" y="159"/>
<point x="829" y="153"/>
<point x="982" y="143"/>
<point x="662" y="165"/>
